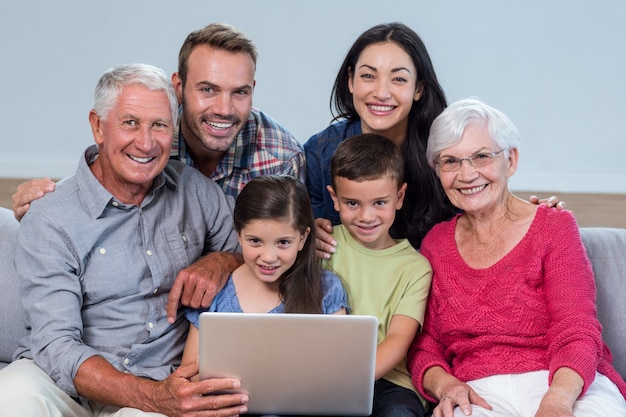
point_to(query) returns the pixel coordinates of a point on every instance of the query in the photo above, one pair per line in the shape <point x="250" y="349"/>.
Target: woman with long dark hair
<point x="386" y="85"/>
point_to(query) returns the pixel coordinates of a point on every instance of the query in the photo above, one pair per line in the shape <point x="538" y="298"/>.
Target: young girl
<point x="280" y="274"/>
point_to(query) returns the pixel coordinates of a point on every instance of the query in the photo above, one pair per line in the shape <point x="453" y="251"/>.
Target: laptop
<point x="300" y="364"/>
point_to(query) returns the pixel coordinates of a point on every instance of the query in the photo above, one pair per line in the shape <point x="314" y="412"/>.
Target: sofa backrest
<point x="11" y="315"/>
<point x="606" y="248"/>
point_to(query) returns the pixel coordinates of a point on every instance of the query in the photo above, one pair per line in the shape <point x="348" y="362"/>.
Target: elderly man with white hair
<point x="97" y="259"/>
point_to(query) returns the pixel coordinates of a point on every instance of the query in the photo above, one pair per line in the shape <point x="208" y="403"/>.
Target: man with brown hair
<point x="220" y="134"/>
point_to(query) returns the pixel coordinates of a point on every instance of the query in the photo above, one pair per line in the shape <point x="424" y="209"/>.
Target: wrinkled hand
<point x="29" y="191"/>
<point x="552" y="405"/>
<point x="324" y="242"/>
<point x="554" y="410"/>
<point x="196" y="285"/>
<point x="457" y="393"/>
<point x="560" y="398"/>
<point x="552" y="201"/>
<point x="177" y="396"/>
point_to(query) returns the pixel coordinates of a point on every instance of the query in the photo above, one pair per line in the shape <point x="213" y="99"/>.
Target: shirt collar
<point x="95" y="198"/>
<point x="237" y="156"/>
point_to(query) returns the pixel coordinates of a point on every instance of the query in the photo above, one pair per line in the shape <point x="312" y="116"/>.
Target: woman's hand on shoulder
<point x="324" y="242"/>
<point x="552" y="201"/>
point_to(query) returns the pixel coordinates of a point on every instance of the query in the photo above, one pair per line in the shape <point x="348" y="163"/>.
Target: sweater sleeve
<point x="426" y="350"/>
<point x="574" y="335"/>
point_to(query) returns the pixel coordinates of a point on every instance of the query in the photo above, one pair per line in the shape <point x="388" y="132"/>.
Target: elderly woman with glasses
<point x="510" y="327"/>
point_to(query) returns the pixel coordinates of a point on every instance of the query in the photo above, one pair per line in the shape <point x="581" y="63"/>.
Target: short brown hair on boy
<point x="367" y="157"/>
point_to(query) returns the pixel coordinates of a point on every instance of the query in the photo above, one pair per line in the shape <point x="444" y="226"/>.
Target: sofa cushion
<point x="11" y="316"/>
<point x="609" y="267"/>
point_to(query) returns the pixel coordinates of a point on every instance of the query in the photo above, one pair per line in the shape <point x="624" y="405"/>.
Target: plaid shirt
<point x="263" y="147"/>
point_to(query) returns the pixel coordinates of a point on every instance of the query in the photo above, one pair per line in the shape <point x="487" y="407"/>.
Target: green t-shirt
<point x="383" y="283"/>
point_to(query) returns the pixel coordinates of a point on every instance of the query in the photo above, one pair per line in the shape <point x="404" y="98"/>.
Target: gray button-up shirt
<point x="95" y="274"/>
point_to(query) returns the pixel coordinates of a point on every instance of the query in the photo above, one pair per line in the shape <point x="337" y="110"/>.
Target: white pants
<point x="27" y="391"/>
<point x="519" y="396"/>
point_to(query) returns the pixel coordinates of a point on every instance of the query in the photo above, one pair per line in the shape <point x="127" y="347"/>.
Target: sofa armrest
<point x="606" y="248"/>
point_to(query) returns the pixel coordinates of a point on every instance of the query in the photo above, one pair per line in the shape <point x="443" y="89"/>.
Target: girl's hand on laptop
<point x="324" y="242"/>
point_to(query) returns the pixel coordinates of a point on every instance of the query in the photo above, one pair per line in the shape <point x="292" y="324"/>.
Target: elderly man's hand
<point x="197" y="285"/>
<point x="178" y="396"/>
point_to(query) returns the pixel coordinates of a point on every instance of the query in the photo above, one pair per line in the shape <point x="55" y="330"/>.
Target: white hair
<point x="112" y="82"/>
<point x="447" y="129"/>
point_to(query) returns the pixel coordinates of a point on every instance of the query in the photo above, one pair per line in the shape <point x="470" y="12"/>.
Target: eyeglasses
<point x="481" y="159"/>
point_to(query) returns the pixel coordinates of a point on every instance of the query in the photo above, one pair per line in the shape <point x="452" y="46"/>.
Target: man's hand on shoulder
<point x="197" y="285"/>
<point x="29" y="191"/>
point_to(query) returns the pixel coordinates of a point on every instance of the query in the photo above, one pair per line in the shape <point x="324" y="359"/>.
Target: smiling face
<point x="384" y="86"/>
<point x="270" y="247"/>
<point x="133" y="142"/>
<point x="368" y="208"/>
<point x="216" y="97"/>
<point x="477" y="189"/>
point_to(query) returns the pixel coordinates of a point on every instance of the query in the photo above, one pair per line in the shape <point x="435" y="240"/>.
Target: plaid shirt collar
<point x="235" y="157"/>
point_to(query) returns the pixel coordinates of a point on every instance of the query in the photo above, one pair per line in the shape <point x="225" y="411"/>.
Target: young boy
<point x="383" y="277"/>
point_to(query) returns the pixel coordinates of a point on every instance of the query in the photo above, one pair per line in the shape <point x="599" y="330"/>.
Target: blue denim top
<point x="318" y="150"/>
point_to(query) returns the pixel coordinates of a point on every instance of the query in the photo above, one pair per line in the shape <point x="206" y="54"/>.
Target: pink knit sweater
<point x="532" y="310"/>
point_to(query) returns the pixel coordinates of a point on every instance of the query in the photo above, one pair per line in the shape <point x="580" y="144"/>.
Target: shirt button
<point x="156" y="290"/>
<point x="149" y="252"/>
<point x="151" y="325"/>
<point x="103" y="251"/>
<point x="115" y="204"/>
<point x="126" y="361"/>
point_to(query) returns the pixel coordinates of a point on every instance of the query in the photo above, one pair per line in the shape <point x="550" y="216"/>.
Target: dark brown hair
<point x="284" y="197"/>
<point x="367" y="157"/>
<point x="215" y="35"/>
<point x="425" y="203"/>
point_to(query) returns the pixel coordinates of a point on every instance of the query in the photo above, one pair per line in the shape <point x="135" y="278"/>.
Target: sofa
<point x="606" y="248"/>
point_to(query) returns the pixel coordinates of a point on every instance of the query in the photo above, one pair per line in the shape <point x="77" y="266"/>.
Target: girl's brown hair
<point x="277" y="197"/>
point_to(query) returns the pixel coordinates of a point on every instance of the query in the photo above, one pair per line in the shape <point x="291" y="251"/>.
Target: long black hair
<point x="425" y="203"/>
